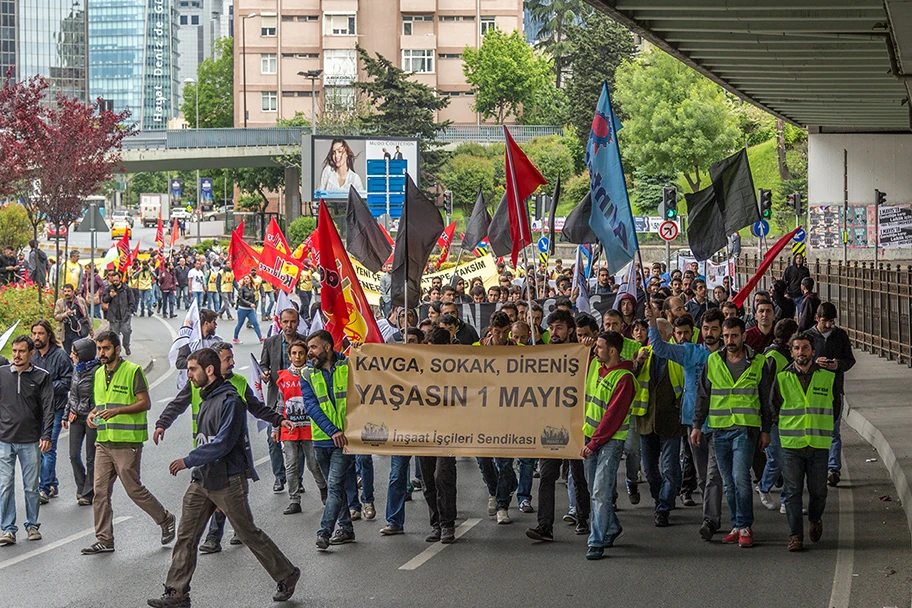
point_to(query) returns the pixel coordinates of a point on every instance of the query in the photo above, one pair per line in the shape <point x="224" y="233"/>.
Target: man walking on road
<point x="26" y="422"/>
<point x="121" y="402"/>
<point x="120" y="303"/>
<point x="806" y="404"/>
<point x="220" y="467"/>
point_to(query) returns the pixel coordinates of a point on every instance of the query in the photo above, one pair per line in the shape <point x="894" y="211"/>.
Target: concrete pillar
<point x="292" y="194"/>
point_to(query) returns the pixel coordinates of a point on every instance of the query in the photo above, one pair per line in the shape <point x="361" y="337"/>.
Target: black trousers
<point x="83" y="474"/>
<point x="688" y="468"/>
<point x="549" y="471"/>
<point x="439" y="476"/>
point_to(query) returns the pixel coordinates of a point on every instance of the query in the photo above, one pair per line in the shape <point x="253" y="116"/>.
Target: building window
<point x="287" y="18"/>
<point x="339" y="25"/>
<point x="288" y="93"/>
<point x="338" y="99"/>
<point x="194" y="20"/>
<point x="268" y="63"/>
<point x="450" y="55"/>
<point x="488" y="23"/>
<point x="183" y="19"/>
<point x="406" y="25"/>
<point x="268" y="25"/>
<point x="313" y="17"/>
<point x="269" y="101"/>
<point x="340" y="67"/>
<point x="449" y="18"/>
<point x="418" y="61"/>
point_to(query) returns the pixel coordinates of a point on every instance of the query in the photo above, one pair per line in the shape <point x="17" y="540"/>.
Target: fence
<point x="874" y="302"/>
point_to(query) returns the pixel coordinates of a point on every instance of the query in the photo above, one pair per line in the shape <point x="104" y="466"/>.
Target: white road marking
<point x="243" y="367"/>
<point x="436" y="548"/>
<point x="58" y="543"/>
<point x="165" y="400"/>
<point x="171" y="370"/>
<point x="845" y="549"/>
<point x="260" y="461"/>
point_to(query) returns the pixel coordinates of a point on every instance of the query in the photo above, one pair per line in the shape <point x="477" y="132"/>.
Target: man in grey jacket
<point x="121" y="303"/>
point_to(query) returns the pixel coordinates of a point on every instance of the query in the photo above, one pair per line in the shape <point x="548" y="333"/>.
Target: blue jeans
<point x="661" y="459"/>
<point x="266" y="303"/>
<point x="28" y="455"/>
<point x="632" y="449"/>
<point x="49" y="458"/>
<point x="398" y="486"/>
<point x="183" y="296"/>
<point x="834" y="462"/>
<point x="773" y="467"/>
<point x="215" y="300"/>
<point x="167" y="303"/>
<point x="335" y="465"/>
<point x="734" y="455"/>
<point x="500" y="479"/>
<point x="524" y="489"/>
<point x="364" y="467"/>
<point x="247" y="314"/>
<point x="601" y="474"/>
<point x="145" y="301"/>
<point x="198" y="296"/>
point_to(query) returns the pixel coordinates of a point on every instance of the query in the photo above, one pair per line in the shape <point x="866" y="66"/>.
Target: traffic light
<point x="880" y="198"/>
<point x="794" y="199"/>
<point x="670" y="202"/>
<point x="448" y="202"/>
<point x="766" y="203"/>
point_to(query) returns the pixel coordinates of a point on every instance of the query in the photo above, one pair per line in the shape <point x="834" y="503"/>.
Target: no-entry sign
<point x="668" y="231"/>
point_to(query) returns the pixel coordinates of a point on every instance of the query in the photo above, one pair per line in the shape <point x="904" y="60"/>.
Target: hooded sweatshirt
<point x="80" y="400"/>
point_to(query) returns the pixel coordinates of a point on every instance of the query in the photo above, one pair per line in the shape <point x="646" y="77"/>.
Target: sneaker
<point x="540" y="533"/>
<point x="582" y="527"/>
<point x="595" y="553"/>
<point x="278" y="487"/>
<point x="84" y="502"/>
<point x="815" y="532"/>
<point x="342" y="537"/>
<point x="7" y="538"/>
<point x="408" y="496"/>
<point x="417" y="484"/>
<point x="235" y="540"/>
<point x="322" y="542"/>
<point x="262" y="340"/>
<point x="171" y="599"/>
<point x="687" y="500"/>
<point x="613" y="540"/>
<point x="732" y="537"/>
<point x="833" y="478"/>
<point x="707" y="531"/>
<point x="355" y="515"/>
<point x="434" y="536"/>
<point x="236" y="341"/>
<point x="292" y="508"/>
<point x="369" y="511"/>
<point x="633" y="494"/>
<point x="492" y="505"/>
<point x="286" y="588"/>
<point x="526" y="507"/>
<point x="53" y="492"/>
<point x="447" y="535"/>
<point x="795" y="544"/>
<point x="766" y="500"/>
<point x="391" y="530"/>
<point x="503" y="517"/>
<point x="782" y="508"/>
<point x="168" y="529"/>
<point x="745" y="538"/>
<point x="570" y="518"/>
<point x="33" y="533"/>
<point x="210" y="545"/>
<point x="127" y="350"/>
<point x="661" y="519"/>
<point x="97" y="548"/>
<point x="43" y="497"/>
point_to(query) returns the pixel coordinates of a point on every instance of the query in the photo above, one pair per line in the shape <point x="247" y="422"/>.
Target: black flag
<point x="477" y="228"/>
<point x="554" y="199"/>
<point x="499" y="230"/>
<point x="419" y="229"/>
<point x="364" y="239"/>
<point x="726" y="206"/>
<point x="576" y="227"/>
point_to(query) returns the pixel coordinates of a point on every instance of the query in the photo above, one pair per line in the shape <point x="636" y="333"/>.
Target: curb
<point x="149" y="366"/>
<point x="872" y="435"/>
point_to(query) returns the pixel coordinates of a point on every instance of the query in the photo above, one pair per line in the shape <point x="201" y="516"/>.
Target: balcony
<point x="417" y="6"/>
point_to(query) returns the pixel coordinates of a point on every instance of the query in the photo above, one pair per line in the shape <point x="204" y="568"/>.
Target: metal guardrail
<point x="874" y="302"/>
<point x="183" y="139"/>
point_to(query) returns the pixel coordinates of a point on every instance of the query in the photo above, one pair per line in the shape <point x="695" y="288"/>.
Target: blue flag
<point x="611" y="219"/>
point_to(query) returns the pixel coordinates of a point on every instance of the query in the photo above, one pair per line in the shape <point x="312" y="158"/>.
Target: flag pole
<point x="522" y="231"/>
<point x="403" y="225"/>
<point x="458" y="259"/>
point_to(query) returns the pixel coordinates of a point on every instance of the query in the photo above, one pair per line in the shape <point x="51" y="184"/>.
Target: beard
<point x="802" y="361"/>
<point x="733" y="348"/>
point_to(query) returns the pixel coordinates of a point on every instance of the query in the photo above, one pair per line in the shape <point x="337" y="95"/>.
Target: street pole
<point x="313" y="112"/>
<point x="199" y="211"/>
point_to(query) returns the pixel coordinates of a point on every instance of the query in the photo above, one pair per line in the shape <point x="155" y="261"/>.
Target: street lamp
<point x="312" y="75"/>
<point x="199" y="213"/>
<point x="244" y="60"/>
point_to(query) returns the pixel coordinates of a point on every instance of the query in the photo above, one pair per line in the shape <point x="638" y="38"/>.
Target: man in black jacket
<point x="465" y="334"/>
<point x="121" y="303"/>
<point x="51" y="358"/>
<point x="26" y="423"/>
<point x="793" y="276"/>
<point x="833" y="350"/>
<point x="220" y="468"/>
<point x="810" y="301"/>
<point x="180" y="276"/>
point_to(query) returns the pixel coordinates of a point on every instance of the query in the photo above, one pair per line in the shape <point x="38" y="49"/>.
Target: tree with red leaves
<point x="21" y="121"/>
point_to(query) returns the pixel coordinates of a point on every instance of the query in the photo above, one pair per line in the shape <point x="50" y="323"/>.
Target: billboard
<point x="376" y="167"/>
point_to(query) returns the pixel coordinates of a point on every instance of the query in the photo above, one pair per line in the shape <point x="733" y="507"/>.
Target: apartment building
<point x="275" y="40"/>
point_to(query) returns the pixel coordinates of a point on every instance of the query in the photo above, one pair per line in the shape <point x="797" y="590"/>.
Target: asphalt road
<point x="862" y="561"/>
<point x="146" y="236"/>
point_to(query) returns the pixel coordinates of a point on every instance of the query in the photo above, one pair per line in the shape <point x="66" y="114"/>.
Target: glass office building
<point x="133" y="58"/>
<point x="47" y="38"/>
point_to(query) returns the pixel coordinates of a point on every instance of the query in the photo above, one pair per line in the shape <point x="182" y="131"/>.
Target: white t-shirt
<point x="329" y="181"/>
<point x="196" y="279"/>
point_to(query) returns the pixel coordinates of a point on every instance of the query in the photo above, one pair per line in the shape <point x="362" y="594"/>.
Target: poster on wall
<point x="825" y="226"/>
<point x="895" y="226"/>
<point x="373" y="166"/>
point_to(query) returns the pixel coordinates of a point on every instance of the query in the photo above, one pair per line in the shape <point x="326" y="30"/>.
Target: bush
<point x="15" y="229"/>
<point x="463" y="174"/>
<point x="300" y="229"/>
<point x="206" y="244"/>
<point x="19" y="302"/>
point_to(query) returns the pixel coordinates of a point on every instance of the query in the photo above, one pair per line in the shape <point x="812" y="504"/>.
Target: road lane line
<point x="57" y="543"/>
<point x="257" y="463"/>
<point x="171" y="370"/>
<point x="243" y="367"/>
<point x="436" y="548"/>
<point x="845" y="549"/>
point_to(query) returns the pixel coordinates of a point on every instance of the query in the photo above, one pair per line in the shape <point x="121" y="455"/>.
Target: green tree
<point x="598" y="46"/>
<point x="504" y="74"/>
<point x="551" y="157"/>
<point x="549" y="106"/>
<point x="555" y="18"/>
<point x="300" y="229"/>
<point x="463" y="174"/>
<point x="647" y="191"/>
<point x="215" y="83"/>
<point x="675" y="120"/>
<point x="15" y="229"/>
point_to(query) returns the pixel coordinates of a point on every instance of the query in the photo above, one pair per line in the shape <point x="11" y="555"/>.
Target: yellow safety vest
<point x="599" y="396"/>
<point x="676" y="375"/>
<point x="335" y="413"/>
<point x="734" y="403"/>
<point x="630" y="349"/>
<point x="806" y="419"/>
<point x="212" y="284"/>
<point x="696" y="336"/>
<point x="778" y="357"/>
<point x="122" y="428"/>
<point x="641" y="398"/>
<point x="227" y="281"/>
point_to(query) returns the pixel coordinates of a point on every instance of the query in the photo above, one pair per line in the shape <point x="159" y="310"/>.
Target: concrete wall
<point x="882" y="162"/>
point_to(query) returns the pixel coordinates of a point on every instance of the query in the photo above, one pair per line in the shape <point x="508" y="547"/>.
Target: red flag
<point x="279" y="268"/>
<point x="522" y="180"/>
<point x="242" y="256"/>
<point x="390" y="240"/>
<point x="160" y="233"/>
<point x="175" y="232"/>
<point x="275" y="238"/>
<point x="444" y="242"/>
<point x="342" y="299"/>
<point x="134" y="255"/>
<point x="123" y="251"/>
<point x="771" y="255"/>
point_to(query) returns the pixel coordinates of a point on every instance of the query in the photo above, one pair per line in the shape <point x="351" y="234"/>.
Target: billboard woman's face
<point x="339" y="155"/>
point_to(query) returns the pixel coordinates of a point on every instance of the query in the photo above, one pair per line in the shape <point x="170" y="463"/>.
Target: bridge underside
<point x="135" y="161"/>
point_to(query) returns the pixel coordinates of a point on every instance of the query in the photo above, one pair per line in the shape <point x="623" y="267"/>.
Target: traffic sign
<point x="760" y="228"/>
<point x="798" y="248"/>
<point x="668" y="231"/>
<point x="800" y="236"/>
<point x="543" y="243"/>
<point x="543" y="257"/>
